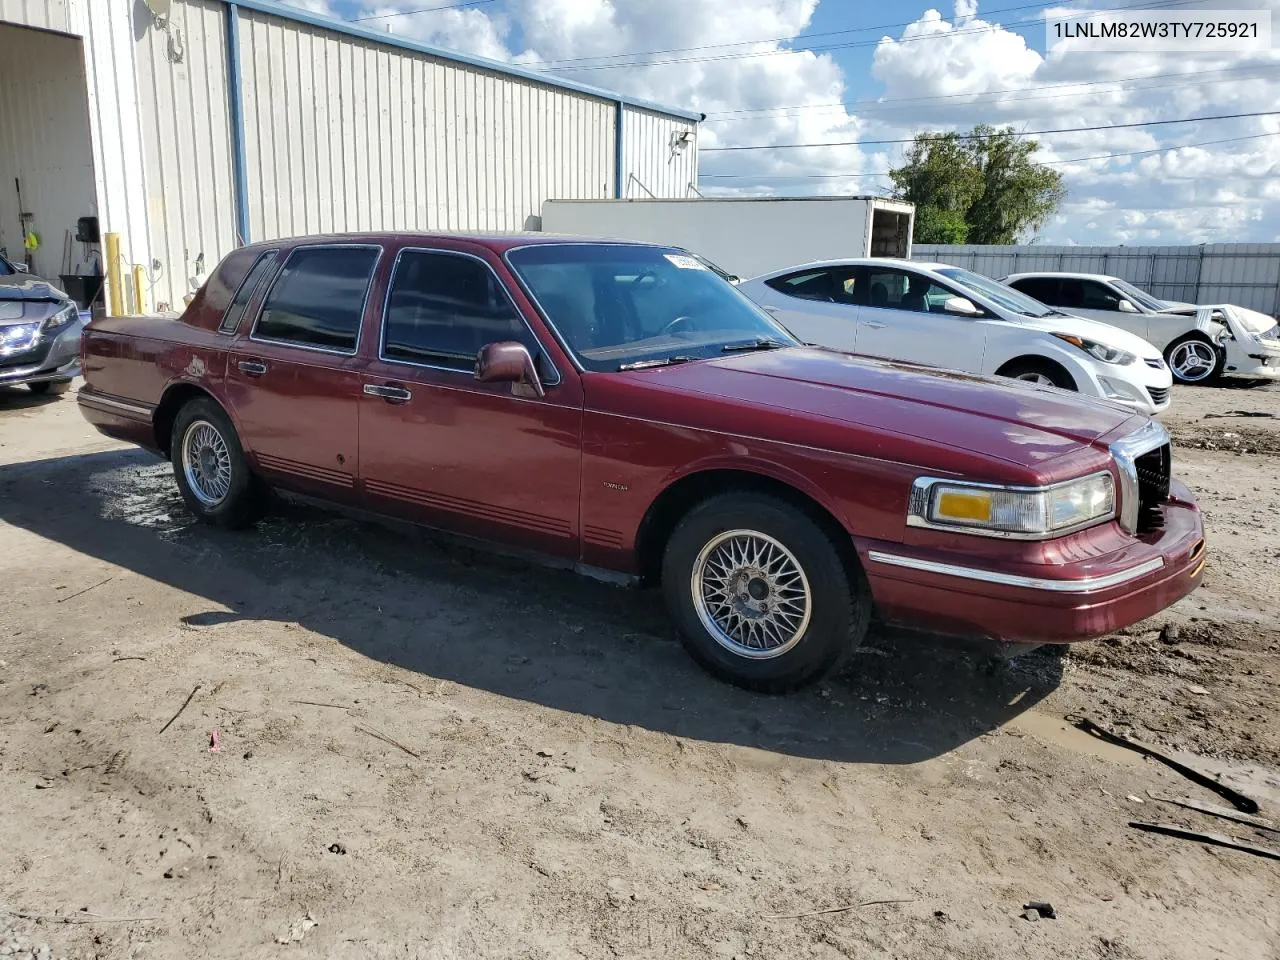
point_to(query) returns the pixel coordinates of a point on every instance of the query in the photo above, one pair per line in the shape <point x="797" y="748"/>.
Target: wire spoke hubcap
<point x="751" y="594"/>
<point x="206" y="463"/>
<point x="1193" y="360"/>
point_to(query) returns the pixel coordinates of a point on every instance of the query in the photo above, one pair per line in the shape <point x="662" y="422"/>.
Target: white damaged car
<point x="945" y="316"/>
<point x="1200" y="344"/>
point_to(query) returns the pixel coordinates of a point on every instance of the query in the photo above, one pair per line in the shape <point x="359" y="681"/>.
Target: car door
<point x="436" y="445"/>
<point x="818" y="305"/>
<point x="293" y="382"/>
<point x="902" y="318"/>
<point x="1096" y="300"/>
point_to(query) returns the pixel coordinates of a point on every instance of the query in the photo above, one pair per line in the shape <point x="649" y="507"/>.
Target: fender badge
<point x="196" y="367"/>
<point x="614" y="485"/>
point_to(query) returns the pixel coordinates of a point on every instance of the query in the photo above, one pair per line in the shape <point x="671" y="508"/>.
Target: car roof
<point x="1068" y="274"/>
<point x="858" y="262"/>
<point x="494" y="240"/>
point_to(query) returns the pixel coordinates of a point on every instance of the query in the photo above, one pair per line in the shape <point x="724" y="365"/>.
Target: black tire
<point x="244" y="497"/>
<point x="50" y="388"/>
<point x="1031" y="368"/>
<point x="839" y="599"/>
<point x="1195" y="341"/>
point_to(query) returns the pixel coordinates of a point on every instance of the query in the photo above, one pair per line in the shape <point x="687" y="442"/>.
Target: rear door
<point x="293" y="381"/>
<point x="902" y="319"/>
<point x="817" y="305"/>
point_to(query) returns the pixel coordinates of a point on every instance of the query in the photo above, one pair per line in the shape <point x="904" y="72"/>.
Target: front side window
<point x="833" y="285"/>
<point x="235" y="312"/>
<point x="1098" y="296"/>
<point x="318" y="299"/>
<point x="444" y="307"/>
<point x="619" y="304"/>
<point x="900" y="290"/>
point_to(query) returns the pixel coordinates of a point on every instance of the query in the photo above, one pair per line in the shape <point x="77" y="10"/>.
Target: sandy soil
<point x="432" y="752"/>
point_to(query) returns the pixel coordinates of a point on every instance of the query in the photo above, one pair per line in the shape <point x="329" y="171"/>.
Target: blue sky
<point x="777" y="71"/>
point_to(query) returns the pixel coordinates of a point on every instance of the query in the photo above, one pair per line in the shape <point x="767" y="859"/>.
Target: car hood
<point x="1252" y="320"/>
<point x="23" y="286"/>
<point x="1112" y="336"/>
<point x="811" y="387"/>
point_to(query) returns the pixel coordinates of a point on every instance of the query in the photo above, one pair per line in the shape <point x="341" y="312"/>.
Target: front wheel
<point x="1194" y="359"/>
<point x="1043" y="372"/>
<point x="761" y="595"/>
<point x="210" y="467"/>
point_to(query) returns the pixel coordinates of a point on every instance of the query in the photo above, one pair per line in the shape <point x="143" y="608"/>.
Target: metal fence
<point x="1247" y="274"/>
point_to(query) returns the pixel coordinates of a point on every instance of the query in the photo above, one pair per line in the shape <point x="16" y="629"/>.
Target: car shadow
<point x="21" y="398"/>
<point x="449" y="611"/>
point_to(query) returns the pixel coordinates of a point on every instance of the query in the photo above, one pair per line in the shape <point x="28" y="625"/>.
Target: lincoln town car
<point x="622" y="407"/>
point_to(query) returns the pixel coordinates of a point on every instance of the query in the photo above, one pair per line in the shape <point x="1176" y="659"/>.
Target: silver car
<point x="39" y="332"/>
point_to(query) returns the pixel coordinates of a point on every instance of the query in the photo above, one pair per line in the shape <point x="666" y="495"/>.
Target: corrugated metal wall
<point x="44" y="143"/>
<point x="652" y="164"/>
<point x="45" y="14"/>
<point x="1247" y="274"/>
<point x="186" y="134"/>
<point x="347" y="134"/>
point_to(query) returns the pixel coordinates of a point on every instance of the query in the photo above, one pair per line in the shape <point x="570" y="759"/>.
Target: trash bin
<point x="84" y="289"/>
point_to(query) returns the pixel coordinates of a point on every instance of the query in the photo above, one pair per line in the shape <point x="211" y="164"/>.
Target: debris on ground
<point x="298" y="930"/>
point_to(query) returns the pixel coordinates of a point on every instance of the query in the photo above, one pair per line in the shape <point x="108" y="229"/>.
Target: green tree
<point x="983" y="187"/>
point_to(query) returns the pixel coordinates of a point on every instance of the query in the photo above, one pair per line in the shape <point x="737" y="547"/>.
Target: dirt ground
<point x="431" y="752"/>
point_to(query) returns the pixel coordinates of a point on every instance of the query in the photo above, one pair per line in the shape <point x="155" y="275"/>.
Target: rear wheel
<point x="210" y="467"/>
<point x="1034" y="370"/>
<point x="761" y="595"/>
<point x="1193" y="359"/>
<point x="50" y="387"/>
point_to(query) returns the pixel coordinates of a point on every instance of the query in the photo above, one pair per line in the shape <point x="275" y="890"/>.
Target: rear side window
<point x="318" y="300"/>
<point x="833" y="285"/>
<point x="443" y="308"/>
<point x="1044" y="289"/>
<point x="235" y="312"/>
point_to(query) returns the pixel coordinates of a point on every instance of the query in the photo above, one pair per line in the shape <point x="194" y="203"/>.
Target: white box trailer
<point x="746" y="236"/>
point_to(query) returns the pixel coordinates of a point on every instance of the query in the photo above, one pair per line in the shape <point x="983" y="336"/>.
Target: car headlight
<point x="1023" y="512"/>
<point x="1099" y="351"/>
<point x="1272" y="334"/>
<point x="68" y="314"/>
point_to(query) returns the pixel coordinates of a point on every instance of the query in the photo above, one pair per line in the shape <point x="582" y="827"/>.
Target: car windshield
<point x="616" y="305"/>
<point x="1140" y="297"/>
<point x="5" y="269"/>
<point x="1006" y="297"/>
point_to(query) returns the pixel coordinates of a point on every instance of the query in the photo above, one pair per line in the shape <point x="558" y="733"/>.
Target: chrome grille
<point x="1159" y="395"/>
<point x="1154" y="363"/>
<point x="1153" y="470"/>
<point x="1144" y="463"/>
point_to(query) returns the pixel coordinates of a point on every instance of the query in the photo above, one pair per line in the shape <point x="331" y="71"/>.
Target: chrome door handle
<point x="873" y="325"/>
<point x="253" y="368"/>
<point x="389" y="392"/>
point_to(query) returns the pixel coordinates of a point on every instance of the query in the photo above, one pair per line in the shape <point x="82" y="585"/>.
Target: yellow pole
<point x="139" y="297"/>
<point x="115" y="282"/>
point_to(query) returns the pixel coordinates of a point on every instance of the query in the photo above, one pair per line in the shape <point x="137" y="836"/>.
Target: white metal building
<point x="228" y="121"/>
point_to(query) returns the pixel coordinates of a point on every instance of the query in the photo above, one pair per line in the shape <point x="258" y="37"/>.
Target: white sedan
<point x="944" y="316"/>
<point x="1200" y="344"/>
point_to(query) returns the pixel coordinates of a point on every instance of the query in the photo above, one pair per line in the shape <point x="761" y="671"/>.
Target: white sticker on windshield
<point x="684" y="262"/>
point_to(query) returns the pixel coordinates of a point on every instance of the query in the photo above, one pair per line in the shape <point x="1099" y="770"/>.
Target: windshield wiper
<point x="659" y="362"/>
<point x="760" y="343"/>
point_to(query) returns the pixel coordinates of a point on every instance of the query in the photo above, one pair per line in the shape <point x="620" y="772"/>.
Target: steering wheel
<point x="667" y="329"/>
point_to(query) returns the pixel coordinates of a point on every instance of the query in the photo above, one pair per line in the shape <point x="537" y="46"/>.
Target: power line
<point x="971" y="136"/>
<point x="1102" y="156"/>
<point x="863" y="105"/>
<point x="987" y="27"/>
<point x="745" y="43"/>
<point x="410" y="13"/>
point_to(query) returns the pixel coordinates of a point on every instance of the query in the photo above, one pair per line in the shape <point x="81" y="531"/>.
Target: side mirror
<point x="1124" y="306"/>
<point x="961" y="306"/>
<point x="508" y="362"/>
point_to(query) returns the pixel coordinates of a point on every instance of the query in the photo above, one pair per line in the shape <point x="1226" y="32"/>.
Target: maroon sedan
<point x="622" y="406"/>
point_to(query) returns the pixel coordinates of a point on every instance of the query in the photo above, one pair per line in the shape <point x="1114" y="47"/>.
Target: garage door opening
<point x="46" y="158"/>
